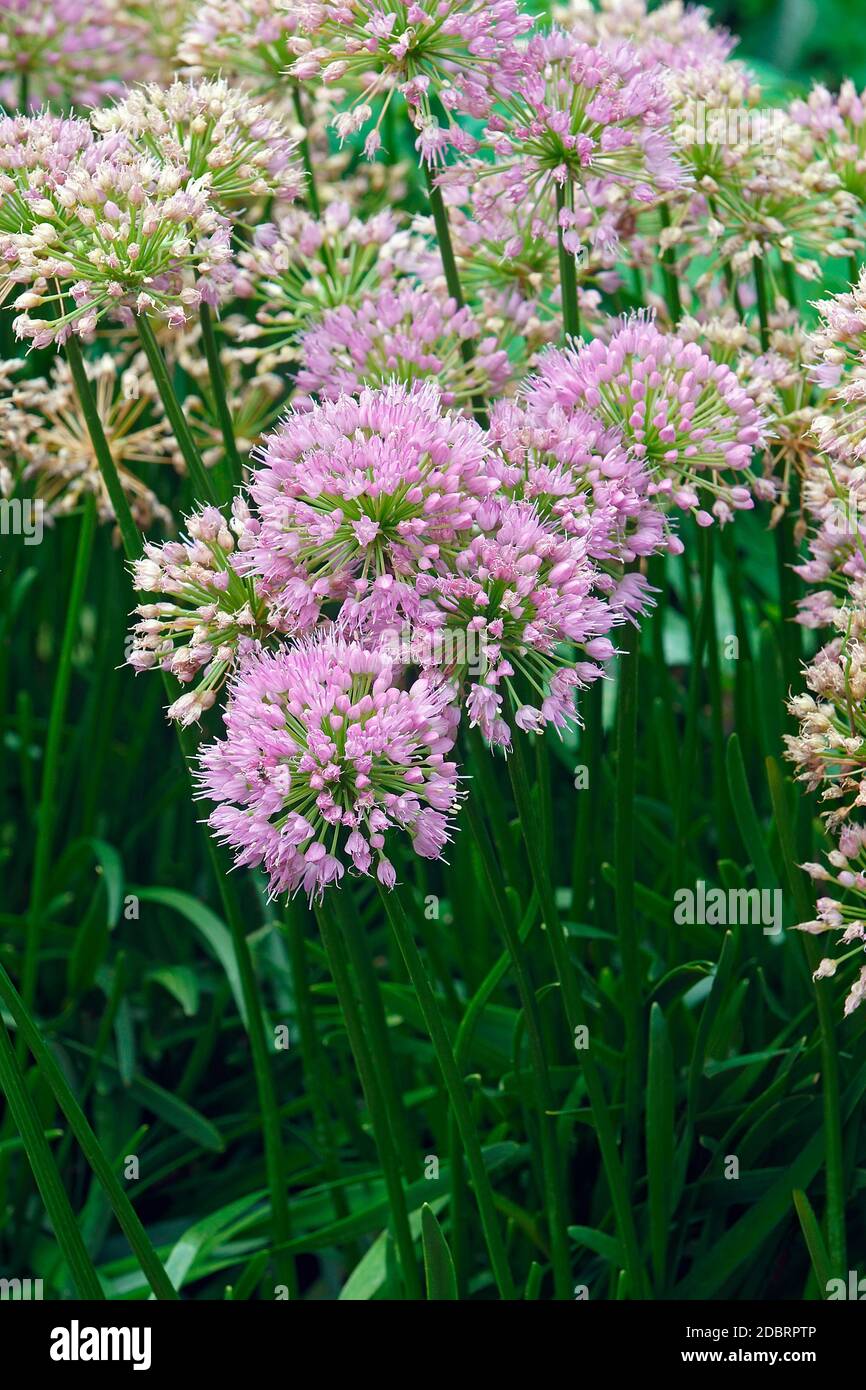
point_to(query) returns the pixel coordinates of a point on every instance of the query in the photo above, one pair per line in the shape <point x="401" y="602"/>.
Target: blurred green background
<point x="806" y="40"/>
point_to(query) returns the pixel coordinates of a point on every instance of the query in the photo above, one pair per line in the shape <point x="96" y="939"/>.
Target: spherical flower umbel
<point x="582" y="115"/>
<point x="580" y="478"/>
<point x="517" y="621"/>
<point x="839" y="345"/>
<point x="71" y="49"/>
<point x="672" y="33"/>
<point x="403" y="333"/>
<point x="326" y="758"/>
<point x="301" y="266"/>
<point x="237" y="38"/>
<point x="460" y="51"/>
<point x="121" y="234"/>
<point x="206" y="613"/>
<point x="687" y="417"/>
<point x="364" y="487"/>
<point x="217" y="135"/>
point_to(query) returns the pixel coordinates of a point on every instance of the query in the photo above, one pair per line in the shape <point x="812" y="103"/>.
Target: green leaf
<point x="209" y="926"/>
<point x="438" y="1264"/>
<point x="813" y="1238"/>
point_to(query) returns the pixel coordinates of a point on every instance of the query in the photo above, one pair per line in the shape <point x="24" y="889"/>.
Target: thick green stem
<point x="834" y="1156"/>
<point x="201" y="480"/>
<point x="455" y="1088"/>
<point x="275" y="1162"/>
<point x="53" y="751"/>
<point x="230" y="469"/>
<point x="669" y="263"/>
<point x="312" y="192"/>
<point x="763" y="303"/>
<point x="578" y="1022"/>
<point x="452" y="276"/>
<point x="315" y="1072"/>
<point x="567" y="273"/>
<point x="128" y="530"/>
<point x="368" y="1069"/>
<point x="624" y="865"/>
<point x="376" y="1027"/>
<point x="553" y="1175"/>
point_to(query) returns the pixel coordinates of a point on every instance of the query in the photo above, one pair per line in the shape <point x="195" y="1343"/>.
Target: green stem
<point x="54" y="749"/>
<point x="315" y="1074"/>
<point x="763" y="303"/>
<point x="672" y="284"/>
<point x="578" y="1022"/>
<point x="624" y="865"/>
<point x="834" y="1155"/>
<point x="452" y="275"/>
<point x="584" y="860"/>
<point x="201" y="480"/>
<point x="551" y="1163"/>
<point x="275" y="1161"/>
<point x="128" y="530"/>
<point x="312" y="192"/>
<point x="376" y="1027"/>
<point x="567" y="273"/>
<point x="455" y="1088"/>
<point x="368" y="1073"/>
<point x="230" y="469"/>
<point x="701" y="630"/>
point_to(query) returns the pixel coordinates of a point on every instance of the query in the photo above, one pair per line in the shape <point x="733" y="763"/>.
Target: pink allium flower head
<point x="401" y="333"/>
<point x="363" y="488"/>
<point x="301" y="266"/>
<point x="35" y="153"/>
<point x="216" y="135"/>
<point x="461" y="51"/>
<point x="207" y="613"/>
<point x="838" y="123"/>
<point x="324" y="758"/>
<point x="78" y="50"/>
<point x="237" y="38"/>
<point x="687" y="417"/>
<point x="122" y="234"/>
<point x="580" y="478"/>
<point x="673" y="33"/>
<point x="582" y="115"/>
<point x="839" y="345"/>
<point x="501" y="614"/>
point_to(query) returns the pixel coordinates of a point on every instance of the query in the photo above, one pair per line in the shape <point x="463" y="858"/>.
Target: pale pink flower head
<point x="839" y="346"/>
<point x="402" y="333"/>
<point x="581" y="479"/>
<point x="326" y="758"/>
<point x="459" y="51"/>
<point x="218" y="137"/>
<point x="121" y="233"/>
<point x="243" y="39"/>
<point x="202" y="614"/>
<point x="517" y="621"/>
<point x="687" y="417"/>
<point x="582" y="116"/>
<point x="672" y="33"/>
<point x="71" y="50"/>
<point x="362" y="488"/>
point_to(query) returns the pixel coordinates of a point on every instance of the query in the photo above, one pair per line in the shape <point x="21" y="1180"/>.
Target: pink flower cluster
<point x="324" y="752"/>
<point x="418" y="563"/>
